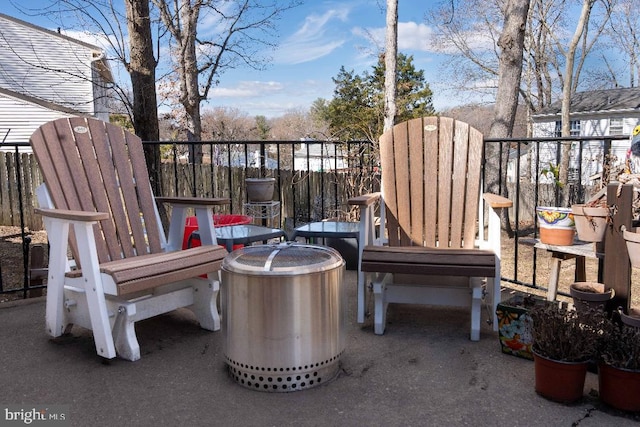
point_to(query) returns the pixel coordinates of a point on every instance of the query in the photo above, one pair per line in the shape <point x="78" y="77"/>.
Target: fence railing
<point x="314" y="180"/>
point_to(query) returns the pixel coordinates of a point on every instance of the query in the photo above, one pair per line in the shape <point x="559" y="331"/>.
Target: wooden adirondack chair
<point x="430" y="198"/>
<point x="98" y="206"/>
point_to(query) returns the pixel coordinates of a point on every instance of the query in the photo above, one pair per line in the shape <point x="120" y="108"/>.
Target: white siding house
<point x="45" y="75"/>
<point x="594" y="114"/>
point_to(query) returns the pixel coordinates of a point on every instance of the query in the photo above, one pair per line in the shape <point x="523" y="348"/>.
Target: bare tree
<point x="511" y="43"/>
<point x="623" y="32"/>
<point x="296" y="125"/>
<point x="570" y="80"/>
<point x="142" y="69"/>
<point x="243" y="32"/>
<point x="128" y="40"/>
<point x="390" y="64"/>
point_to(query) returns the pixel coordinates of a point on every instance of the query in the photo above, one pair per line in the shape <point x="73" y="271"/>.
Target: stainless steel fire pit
<point x="283" y="315"/>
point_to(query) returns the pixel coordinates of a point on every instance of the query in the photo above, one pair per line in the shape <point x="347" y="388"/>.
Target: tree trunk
<point x="390" y="64"/>
<point x="142" y="69"/>
<point x="567" y="91"/>
<point x="511" y="43"/>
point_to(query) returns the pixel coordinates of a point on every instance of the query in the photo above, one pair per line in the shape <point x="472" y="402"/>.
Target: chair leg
<point x="496" y="297"/>
<point x="94" y="291"/>
<point x="55" y="313"/>
<point x="476" y="311"/>
<point x="205" y="303"/>
<point x="124" y="334"/>
<point x="380" y="303"/>
<point x="361" y="296"/>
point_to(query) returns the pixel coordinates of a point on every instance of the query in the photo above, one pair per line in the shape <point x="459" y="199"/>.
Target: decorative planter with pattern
<point x="515" y="325"/>
<point x="556" y="225"/>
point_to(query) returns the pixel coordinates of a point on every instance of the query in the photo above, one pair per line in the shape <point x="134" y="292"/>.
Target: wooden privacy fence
<point x="19" y="176"/>
<point x="303" y="195"/>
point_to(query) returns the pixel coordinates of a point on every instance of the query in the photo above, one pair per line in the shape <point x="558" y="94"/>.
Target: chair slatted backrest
<point x="91" y="165"/>
<point x="431" y="172"/>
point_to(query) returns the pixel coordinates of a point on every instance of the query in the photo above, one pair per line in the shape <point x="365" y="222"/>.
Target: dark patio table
<point x="243" y="235"/>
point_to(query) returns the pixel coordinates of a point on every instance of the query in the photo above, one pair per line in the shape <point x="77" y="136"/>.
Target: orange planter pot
<point x="559" y="381"/>
<point x="619" y="388"/>
<point x="556" y="225"/>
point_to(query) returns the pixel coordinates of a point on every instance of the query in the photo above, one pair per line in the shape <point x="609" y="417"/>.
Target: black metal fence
<point x="314" y="180"/>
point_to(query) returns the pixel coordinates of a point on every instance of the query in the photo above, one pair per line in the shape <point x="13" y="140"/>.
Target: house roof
<point x="598" y="101"/>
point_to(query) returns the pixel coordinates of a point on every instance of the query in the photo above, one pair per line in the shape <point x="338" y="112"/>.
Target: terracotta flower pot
<point x="559" y="381"/>
<point x="591" y="222"/>
<point x="631" y="319"/>
<point x="590" y="295"/>
<point x="619" y="388"/>
<point x="556" y="225"/>
<point x="632" y="237"/>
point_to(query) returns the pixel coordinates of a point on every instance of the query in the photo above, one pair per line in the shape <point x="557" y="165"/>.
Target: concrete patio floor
<point x="423" y="371"/>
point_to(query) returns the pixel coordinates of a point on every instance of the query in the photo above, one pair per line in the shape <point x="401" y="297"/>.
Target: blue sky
<point x="315" y="40"/>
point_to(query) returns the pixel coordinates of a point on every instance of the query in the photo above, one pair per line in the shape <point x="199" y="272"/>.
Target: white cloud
<point x="246" y="89"/>
<point x="316" y="38"/>
<point x="412" y="36"/>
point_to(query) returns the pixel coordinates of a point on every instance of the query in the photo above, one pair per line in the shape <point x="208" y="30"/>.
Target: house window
<point x="574" y="126"/>
<point x="616" y="126"/>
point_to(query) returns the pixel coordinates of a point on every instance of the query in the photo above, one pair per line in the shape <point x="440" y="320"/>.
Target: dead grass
<point x="523" y="271"/>
<point x="11" y="260"/>
<point x="11" y="265"/>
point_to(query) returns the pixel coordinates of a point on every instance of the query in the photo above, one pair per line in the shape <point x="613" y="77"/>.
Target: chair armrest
<point x="497" y="202"/>
<point x="204" y="212"/>
<point x="364" y="200"/>
<point x="194" y="201"/>
<point x="70" y="215"/>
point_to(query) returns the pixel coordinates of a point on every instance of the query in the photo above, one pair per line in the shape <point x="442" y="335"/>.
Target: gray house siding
<point x="45" y="75"/>
<point x="592" y="114"/>
<point x="19" y="118"/>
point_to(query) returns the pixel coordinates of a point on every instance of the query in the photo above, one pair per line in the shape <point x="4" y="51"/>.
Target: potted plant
<point x="591" y="220"/>
<point x="632" y="318"/>
<point x="590" y="295"/>
<point x="556" y="225"/>
<point x="564" y="342"/>
<point x="619" y="367"/>
<point x="515" y="326"/>
<point x="260" y="190"/>
<point x="632" y="239"/>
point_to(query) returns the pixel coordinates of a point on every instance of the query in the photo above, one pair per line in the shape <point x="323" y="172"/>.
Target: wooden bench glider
<point x="97" y="205"/>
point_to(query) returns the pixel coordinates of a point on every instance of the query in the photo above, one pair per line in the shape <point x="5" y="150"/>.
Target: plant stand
<point x="617" y="267"/>
<point x="269" y="212"/>
<point x="579" y="252"/>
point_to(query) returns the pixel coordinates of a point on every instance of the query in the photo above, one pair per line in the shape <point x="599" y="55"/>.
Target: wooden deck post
<point x="617" y="267"/>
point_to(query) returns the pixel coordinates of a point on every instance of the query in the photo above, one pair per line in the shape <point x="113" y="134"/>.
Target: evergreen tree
<point x="356" y="110"/>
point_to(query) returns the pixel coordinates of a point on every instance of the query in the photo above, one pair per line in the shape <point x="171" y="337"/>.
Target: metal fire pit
<point x="283" y="315"/>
